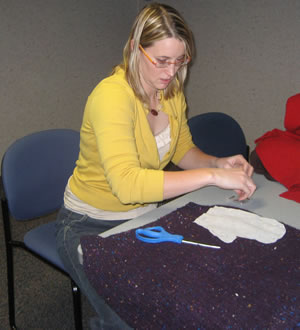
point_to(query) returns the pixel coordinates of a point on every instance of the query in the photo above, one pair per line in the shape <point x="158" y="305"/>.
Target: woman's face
<point x="153" y="78"/>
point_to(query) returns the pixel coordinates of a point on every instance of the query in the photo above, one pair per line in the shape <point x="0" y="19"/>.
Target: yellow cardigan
<point x="118" y="168"/>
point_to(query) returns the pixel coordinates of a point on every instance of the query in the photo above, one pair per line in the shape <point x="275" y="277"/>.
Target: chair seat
<point x="34" y="172"/>
<point x="42" y="241"/>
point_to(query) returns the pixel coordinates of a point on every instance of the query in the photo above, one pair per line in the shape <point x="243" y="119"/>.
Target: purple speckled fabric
<point x="244" y="285"/>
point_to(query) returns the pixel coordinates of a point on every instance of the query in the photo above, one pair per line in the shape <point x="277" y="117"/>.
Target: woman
<point x="134" y="124"/>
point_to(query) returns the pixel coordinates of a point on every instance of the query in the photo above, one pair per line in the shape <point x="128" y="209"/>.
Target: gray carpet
<point x="43" y="295"/>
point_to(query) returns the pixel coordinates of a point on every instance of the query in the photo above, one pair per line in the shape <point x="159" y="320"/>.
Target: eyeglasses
<point x="164" y="63"/>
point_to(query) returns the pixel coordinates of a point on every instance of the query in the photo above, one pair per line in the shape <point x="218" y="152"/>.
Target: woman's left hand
<point x="237" y="161"/>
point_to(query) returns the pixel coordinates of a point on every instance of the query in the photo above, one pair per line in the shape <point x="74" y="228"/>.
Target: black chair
<point x="34" y="173"/>
<point x="218" y="134"/>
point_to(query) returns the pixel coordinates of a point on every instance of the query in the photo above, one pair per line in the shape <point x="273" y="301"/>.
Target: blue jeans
<point x="70" y="227"/>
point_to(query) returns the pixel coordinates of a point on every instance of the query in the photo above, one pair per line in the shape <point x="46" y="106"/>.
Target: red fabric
<point x="279" y="150"/>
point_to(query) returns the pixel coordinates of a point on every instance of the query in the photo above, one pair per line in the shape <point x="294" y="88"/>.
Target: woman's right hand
<point x="236" y="179"/>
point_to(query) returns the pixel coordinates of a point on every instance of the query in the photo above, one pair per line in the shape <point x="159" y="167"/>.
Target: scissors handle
<point x="156" y="235"/>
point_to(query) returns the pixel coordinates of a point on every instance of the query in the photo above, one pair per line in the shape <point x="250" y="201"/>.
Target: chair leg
<point x="76" y="305"/>
<point x="9" y="259"/>
<point x="10" y="287"/>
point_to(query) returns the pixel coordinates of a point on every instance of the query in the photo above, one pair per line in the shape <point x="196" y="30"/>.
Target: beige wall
<point x="248" y="59"/>
<point x="53" y="52"/>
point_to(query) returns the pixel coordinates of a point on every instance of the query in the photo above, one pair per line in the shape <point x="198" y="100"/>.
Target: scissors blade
<point x="201" y="244"/>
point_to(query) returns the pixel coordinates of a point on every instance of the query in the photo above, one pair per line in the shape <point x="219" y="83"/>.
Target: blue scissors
<point x="158" y="234"/>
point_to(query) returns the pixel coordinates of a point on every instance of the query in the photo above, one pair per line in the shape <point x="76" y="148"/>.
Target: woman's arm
<point x="196" y="158"/>
<point x="202" y="170"/>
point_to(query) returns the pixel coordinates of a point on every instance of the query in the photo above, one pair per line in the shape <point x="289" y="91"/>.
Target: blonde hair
<point x="155" y="22"/>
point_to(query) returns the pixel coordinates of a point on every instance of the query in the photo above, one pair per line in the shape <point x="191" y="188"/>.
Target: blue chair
<point x="35" y="170"/>
<point x="218" y="134"/>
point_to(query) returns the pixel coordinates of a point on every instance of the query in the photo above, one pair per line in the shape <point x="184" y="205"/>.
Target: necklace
<point x="155" y="112"/>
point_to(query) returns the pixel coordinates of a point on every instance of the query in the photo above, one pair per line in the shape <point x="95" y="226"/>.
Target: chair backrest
<point x="218" y="134"/>
<point x="35" y="170"/>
